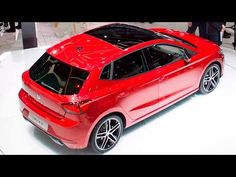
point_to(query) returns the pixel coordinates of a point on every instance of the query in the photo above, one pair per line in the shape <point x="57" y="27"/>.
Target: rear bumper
<point x="53" y="138"/>
<point x="73" y="134"/>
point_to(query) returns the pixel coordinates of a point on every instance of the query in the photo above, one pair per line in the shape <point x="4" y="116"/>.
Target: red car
<point x="88" y="88"/>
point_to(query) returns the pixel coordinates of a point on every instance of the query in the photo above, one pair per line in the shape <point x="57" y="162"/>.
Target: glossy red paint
<point x="134" y="99"/>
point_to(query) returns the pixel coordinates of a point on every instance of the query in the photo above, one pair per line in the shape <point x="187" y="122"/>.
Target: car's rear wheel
<point x="210" y="79"/>
<point x="106" y="133"/>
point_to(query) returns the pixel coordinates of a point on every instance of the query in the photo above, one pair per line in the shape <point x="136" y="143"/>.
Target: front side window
<point x="129" y="65"/>
<point x="160" y="55"/>
<point x="189" y="53"/>
<point x="57" y="76"/>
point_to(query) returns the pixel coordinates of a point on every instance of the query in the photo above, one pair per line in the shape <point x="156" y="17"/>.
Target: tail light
<point x="76" y="108"/>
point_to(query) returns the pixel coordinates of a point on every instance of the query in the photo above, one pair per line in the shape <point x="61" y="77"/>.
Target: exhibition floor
<point x="200" y="124"/>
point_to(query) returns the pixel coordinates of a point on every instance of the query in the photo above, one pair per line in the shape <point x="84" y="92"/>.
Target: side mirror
<point x="187" y="60"/>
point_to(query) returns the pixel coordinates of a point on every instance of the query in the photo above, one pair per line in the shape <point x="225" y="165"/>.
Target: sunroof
<point x="123" y="35"/>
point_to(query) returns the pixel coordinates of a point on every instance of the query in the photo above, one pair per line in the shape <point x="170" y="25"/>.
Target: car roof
<point x="94" y="48"/>
<point x="123" y="35"/>
<point x="83" y="51"/>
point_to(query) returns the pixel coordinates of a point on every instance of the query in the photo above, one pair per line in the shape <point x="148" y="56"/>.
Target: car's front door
<point x="176" y="77"/>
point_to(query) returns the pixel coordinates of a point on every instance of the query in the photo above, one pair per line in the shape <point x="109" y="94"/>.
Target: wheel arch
<point x="118" y="113"/>
<point x="218" y="63"/>
<point x="203" y="71"/>
<point x="200" y="86"/>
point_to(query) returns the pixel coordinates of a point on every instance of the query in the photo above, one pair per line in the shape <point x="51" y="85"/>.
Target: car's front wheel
<point x="210" y="79"/>
<point x="106" y="133"/>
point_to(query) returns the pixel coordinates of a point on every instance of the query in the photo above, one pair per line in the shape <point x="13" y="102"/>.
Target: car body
<point x="86" y="89"/>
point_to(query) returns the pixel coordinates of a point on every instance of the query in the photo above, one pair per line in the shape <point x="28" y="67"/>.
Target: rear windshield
<point x="57" y="76"/>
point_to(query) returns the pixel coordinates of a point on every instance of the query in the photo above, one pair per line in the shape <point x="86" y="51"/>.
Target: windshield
<point x="168" y="36"/>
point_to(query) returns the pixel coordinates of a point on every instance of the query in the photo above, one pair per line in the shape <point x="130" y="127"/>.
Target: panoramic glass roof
<point x="123" y="35"/>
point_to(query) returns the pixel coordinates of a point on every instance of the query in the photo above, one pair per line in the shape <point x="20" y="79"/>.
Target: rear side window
<point x="106" y="72"/>
<point x="57" y="76"/>
<point x="129" y="65"/>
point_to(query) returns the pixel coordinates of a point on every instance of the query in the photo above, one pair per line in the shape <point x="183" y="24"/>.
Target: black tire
<point x="210" y="79"/>
<point x="106" y="133"/>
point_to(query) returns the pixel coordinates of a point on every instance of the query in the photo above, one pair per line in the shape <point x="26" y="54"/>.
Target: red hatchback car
<point x="88" y="88"/>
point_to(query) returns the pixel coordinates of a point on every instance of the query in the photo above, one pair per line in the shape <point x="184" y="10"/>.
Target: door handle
<point x="163" y="78"/>
<point x="123" y="94"/>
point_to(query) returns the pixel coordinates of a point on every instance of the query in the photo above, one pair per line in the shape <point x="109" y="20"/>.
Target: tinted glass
<point x="189" y="53"/>
<point x="122" y="35"/>
<point x="106" y="72"/>
<point x="57" y="76"/>
<point x="160" y="55"/>
<point x="168" y="36"/>
<point x="129" y="65"/>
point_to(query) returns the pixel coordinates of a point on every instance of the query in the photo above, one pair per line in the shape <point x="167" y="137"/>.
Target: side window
<point x="160" y="55"/>
<point x="106" y="72"/>
<point x="189" y="53"/>
<point x="76" y="81"/>
<point x="129" y="65"/>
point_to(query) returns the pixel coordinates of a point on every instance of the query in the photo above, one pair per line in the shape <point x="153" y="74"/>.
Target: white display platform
<point x="197" y="125"/>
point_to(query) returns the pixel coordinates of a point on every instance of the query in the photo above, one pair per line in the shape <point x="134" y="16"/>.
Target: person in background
<point x="18" y="26"/>
<point x="192" y="27"/>
<point x="226" y="34"/>
<point x="13" y="28"/>
<point x="5" y="24"/>
<point x="214" y="31"/>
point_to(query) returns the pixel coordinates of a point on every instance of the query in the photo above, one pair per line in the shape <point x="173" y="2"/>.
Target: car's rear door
<point x="136" y="87"/>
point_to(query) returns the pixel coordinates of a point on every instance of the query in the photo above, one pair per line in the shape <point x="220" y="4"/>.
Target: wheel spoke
<point x="215" y="74"/>
<point x="112" y="138"/>
<point x="101" y="135"/>
<point x="206" y="80"/>
<point x="108" y="125"/>
<point x="213" y="83"/>
<point x="211" y="72"/>
<point x="113" y="129"/>
<point x="104" y="143"/>
<point x="208" y="85"/>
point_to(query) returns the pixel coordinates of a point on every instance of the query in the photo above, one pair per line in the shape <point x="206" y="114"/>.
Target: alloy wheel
<point x="108" y="134"/>
<point x="211" y="78"/>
